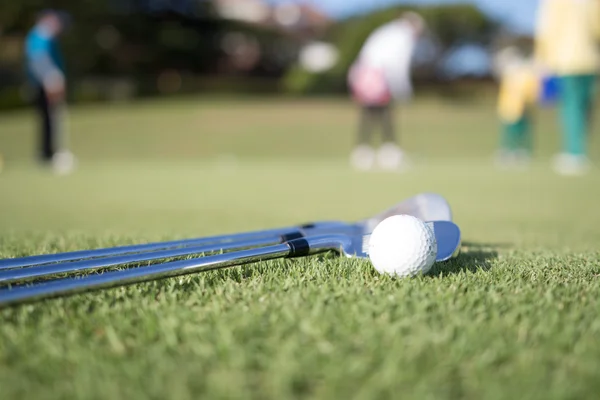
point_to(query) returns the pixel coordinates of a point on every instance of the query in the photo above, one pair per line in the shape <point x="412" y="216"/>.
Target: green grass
<point x="514" y="317"/>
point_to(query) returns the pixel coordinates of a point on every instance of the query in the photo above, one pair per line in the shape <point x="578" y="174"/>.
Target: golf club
<point x="92" y="264"/>
<point x="425" y="206"/>
<point x="447" y="235"/>
<point x="48" y="270"/>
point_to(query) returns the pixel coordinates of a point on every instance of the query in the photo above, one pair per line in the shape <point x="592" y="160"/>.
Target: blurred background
<point x="126" y="49"/>
<point x="209" y="99"/>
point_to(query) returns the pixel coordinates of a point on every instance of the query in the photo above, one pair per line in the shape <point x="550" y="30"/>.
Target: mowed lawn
<point x="514" y="317"/>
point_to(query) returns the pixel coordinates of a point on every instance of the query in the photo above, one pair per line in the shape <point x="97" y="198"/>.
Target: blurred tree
<point x="141" y="39"/>
<point x="448" y="25"/>
<point x="156" y="44"/>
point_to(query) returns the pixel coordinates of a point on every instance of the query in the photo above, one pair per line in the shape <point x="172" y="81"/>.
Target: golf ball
<point x="402" y="246"/>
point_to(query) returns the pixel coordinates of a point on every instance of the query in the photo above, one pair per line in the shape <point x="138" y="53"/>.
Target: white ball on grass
<point x="402" y="246"/>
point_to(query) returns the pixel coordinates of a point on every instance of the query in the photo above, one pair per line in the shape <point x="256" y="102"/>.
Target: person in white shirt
<point x="379" y="77"/>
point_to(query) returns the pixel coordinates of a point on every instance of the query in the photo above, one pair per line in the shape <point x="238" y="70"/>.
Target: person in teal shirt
<point x="46" y="73"/>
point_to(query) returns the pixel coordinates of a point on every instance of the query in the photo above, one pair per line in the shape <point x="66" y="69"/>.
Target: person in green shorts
<point x="566" y="46"/>
<point x="518" y="93"/>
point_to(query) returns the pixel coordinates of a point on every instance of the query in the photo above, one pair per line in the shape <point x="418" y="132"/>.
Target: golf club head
<point x="447" y="235"/>
<point x="425" y="206"/>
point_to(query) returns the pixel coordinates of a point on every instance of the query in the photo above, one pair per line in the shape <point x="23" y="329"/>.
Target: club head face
<point x="448" y="238"/>
<point x="447" y="235"/>
<point x="425" y="206"/>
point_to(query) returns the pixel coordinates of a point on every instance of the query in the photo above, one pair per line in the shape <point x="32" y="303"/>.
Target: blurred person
<point x="520" y="86"/>
<point x="46" y="71"/>
<point x="380" y="76"/>
<point x="567" y="36"/>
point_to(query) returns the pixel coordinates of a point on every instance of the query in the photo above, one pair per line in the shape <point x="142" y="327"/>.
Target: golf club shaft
<point x="47" y="270"/>
<point x="426" y="206"/>
<point x="66" y="286"/>
<point x="11" y="263"/>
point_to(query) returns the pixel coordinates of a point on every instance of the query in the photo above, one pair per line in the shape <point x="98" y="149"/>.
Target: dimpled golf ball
<point x="402" y="246"/>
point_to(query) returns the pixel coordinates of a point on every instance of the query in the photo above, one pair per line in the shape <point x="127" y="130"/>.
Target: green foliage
<point x="18" y="16"/>
<point x="448" y="24"/>
<point x="140" y="47"/>
<point x="452" y="24"/>
<point x="147" y="45"/>
<point x="297" y="80"/>
<point x="144" y="44"/>
<point x="11" y="98"/>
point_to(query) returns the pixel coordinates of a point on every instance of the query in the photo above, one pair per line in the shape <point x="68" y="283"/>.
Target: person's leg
<point x="589" y="85"/>
<point x="574" y="114"/>
<point x="508" y="137"/>
<point x="575" y="96"/>
<point x="63" y="161"/>
<point x="524" y="141"/>
<point x="46" y="150"/>
<point x="363" y="155"/>
<point x="365" y="127"/>
<point x="525" y="138"/>
<point x="387" y="125"/>
<point x="390" y="156"/>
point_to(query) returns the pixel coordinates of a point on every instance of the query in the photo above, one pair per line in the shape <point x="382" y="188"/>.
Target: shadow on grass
<point x="471" y="259"/>
<point x="485" y="246"/>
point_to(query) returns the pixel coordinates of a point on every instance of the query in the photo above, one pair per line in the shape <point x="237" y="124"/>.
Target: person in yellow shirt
<point x="566" y="45"/>
<point x="519" y="89"/>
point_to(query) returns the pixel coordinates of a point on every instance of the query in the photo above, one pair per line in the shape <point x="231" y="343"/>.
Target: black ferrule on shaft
<point x="298" y="248"/>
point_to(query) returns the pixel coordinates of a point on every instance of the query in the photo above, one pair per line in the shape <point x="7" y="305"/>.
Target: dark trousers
<point x="371" y="118"/>
<point x="47" y="131"/>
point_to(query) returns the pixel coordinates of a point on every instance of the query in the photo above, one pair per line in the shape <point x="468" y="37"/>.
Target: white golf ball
<point x="402" y="246"/>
